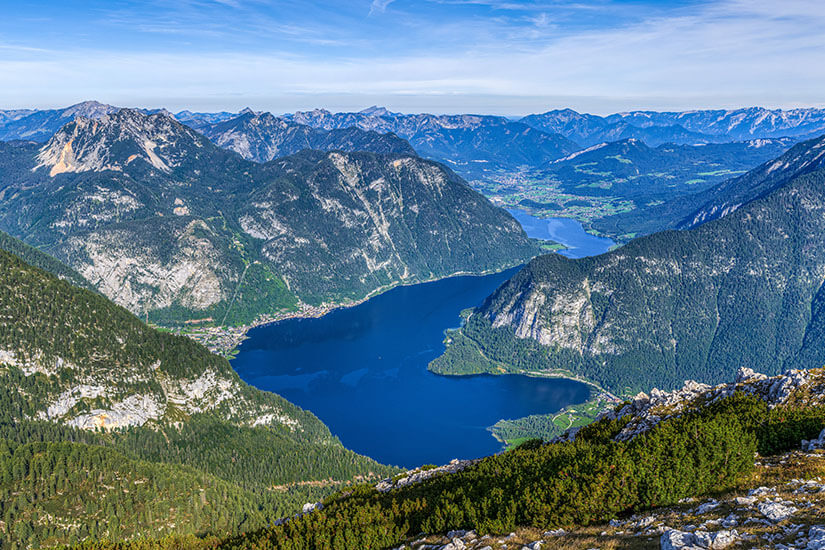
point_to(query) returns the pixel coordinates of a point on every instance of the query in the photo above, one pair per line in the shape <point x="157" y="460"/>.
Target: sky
<point x="504" y="57"/>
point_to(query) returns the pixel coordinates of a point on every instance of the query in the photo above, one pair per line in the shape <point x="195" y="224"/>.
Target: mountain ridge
<point x="264" y="137"/>
<point x="745" y="288"/>
<point x="473" y="144"/>
<point x="694" y="209"/>
<point x="41" y="125"/>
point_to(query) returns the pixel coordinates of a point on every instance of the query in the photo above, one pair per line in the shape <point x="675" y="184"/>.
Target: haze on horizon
<point x="485" y="56"/>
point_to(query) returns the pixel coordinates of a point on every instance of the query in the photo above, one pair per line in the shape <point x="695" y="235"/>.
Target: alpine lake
<point x="363" y="370"/>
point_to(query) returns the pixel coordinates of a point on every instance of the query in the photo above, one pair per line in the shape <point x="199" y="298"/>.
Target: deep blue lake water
<point x="363" y="371"/>
<point x="566" y="231"/>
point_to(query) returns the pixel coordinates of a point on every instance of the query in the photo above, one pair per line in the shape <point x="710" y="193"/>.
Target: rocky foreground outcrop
<point x="420" y="474"/>
<point x="773" y="510"/>
<point x="646" y="411"/>
<point x="781" y="505"/>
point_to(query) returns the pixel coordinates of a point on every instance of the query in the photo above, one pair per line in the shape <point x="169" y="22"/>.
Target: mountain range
<point x="472" y="144"/>
<point x="743" y="285"/>
<point x="163" y="221"/>
<point x="264" y="137"/>
<point x="686" y="127"/>
<point x="652" y="127"/>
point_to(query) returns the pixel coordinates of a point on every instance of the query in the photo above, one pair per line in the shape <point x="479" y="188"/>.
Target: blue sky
<point x="493" y="56"/>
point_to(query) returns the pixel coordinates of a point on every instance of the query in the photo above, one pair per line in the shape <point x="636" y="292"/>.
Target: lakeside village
<point x="224" y="340"/>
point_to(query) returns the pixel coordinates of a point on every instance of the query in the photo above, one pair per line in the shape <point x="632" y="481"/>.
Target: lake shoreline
<point x="567" y="231"/>
<point x="600" y="399"/>
<point x="225" y="340"/>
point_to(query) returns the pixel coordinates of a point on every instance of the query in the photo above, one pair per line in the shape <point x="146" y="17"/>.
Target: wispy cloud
<point x="379" y="6"/>
<point x="727" y="53"/>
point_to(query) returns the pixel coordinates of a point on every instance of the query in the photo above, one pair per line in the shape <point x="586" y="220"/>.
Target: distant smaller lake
<point x="566" y="231"/>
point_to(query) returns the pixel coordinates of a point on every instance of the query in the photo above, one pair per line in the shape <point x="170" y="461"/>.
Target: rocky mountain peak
<point x="89" y="109"/>
<point x="375" y="111"/>
<point x="116" y="141"/>
<point x="260" y="116"/>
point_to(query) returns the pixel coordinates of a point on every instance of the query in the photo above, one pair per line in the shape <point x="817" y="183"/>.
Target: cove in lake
<point x="363" y="371"/>
<point x="566" y="231"/>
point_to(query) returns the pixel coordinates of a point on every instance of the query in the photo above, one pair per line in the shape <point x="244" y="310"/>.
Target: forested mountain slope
<point x="697" y="208"/>
<point x="164" y="222"/>
<point x="659" y="458"/>
<point x="630" y="169"/>
<point x="36" y="258"/>
<point x="109" y="428"/>
<point x="744" y="289"/>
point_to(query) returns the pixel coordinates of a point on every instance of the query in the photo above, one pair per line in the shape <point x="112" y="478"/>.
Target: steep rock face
<point x="192" y="275"/>
<point x="745" y="289"/>
<point x="264" y="137"/>
<point x="358" y="221"/>
<point x="163" y="221"/>
<point x="116" y="140"/>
